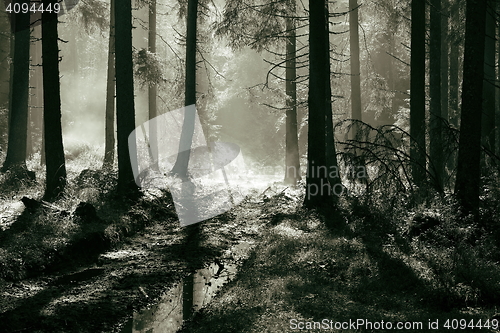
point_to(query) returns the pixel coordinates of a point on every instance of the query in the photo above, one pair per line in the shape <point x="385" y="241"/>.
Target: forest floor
<point x="302" y="277"/>
<point x="131" y="275"/>
<point x="90" y="260"/>
<point x="73" y="267"/>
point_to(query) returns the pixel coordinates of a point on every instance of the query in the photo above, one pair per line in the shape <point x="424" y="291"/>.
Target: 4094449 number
<point x="16" y="8"/>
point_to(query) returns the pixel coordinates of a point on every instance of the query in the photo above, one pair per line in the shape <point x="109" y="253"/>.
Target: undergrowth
<point x="373" y="270"/>
<point x="55" y="235"/>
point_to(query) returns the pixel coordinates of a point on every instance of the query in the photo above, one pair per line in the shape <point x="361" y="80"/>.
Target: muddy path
<point x="133" y="275"/>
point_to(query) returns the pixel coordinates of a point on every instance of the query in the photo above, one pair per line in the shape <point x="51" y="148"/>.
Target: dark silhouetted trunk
<point x="181" y="164"/>
<point x="468" y="163"/>
<point x="488" y="117"/>
<point x="6" y="52"/>
<point x="292" y="171"/>
<point x="497" y="90"/>
<point x="109" y="145"/>
<point x="318" y="189"/>
<point x="331" y="154"/>
<point x="454" y="113"/>
<point x="125" y="110"/>
<point x="18" y="120"/>
<point x="436" y="121"/>
<point x="445" y="103"/>
<point x="417" y="92"/>
<point x="355" y="68"/>
<point x="54" y="151"/>
<point x="445" y="49"/>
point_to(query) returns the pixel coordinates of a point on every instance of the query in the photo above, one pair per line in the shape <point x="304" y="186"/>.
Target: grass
<point x="384" y="265"/>
<point x="37" y="241"/>
<point x="372" y="270"/>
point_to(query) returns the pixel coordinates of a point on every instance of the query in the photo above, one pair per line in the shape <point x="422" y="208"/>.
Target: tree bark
<point x="454" y="65"/>
<point x="180" y="168"/>
<point x="318" y="189"/>
<point x="468" y="163"/>
<point x="488" y="117"/>
<point x="436" y="121"/>
<point x="292" y="160"/>
<point x="417" y="92"/>
<point x="497" y="90"/>
<point x="18" y="120"/>
<point x="6" y="52"/>
<point x="355" y="67"/>
<point x="125" y="110"/>
<point x="109" y="145"/>
<point x="54" y="150"/>
<point x="445" y="103"/>
<point x="152" y="89"/>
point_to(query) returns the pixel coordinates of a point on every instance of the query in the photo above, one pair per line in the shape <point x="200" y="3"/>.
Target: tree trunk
<point x="488" y="117"/>
<point x="6" y="51"/>
<point x="180" y="168"/>
<point x="318" y="189"/>
<point x="417" y="92"/>
<point x="55" y="163"/>
<point x="152" y="89"/>
<point x="355" y="67"/>
<point x="18" y="121"/>
<point x="497" y="91"/>
<point x="331" y="153"/>
<point x="109" y="146"/>
<point x="445" y="48"/>
<point x="468" y="164"/>
<point x="125" y="110"/>
<point x="436" y="121"/>
<point x="292" y="163"/>
<point x="454" y="65"/>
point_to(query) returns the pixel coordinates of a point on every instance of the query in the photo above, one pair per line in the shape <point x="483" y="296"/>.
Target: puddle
<point x="178" y="304"/>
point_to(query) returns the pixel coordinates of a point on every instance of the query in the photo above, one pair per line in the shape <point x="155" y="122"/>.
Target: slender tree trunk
<point x="454" y="65"/>
<point x="318" y="189"/>
<point x="39" y="87"/>
<point x="488" y="117"/>
<point x="125" y="110"/>
<point x="355" y="67"/>
<point x="292" y="165"/>
<point x="109" y="145"/>
<point x="11" y="73"/>
<point x="152" y="89"/>
<point x="331" y="153"/>
<point x="18" y="121"/>
<point x="436" y="121"/>
<point x="417" y="92"/>
<point x="55" y="163"/>
<point x="468" y="164"/>
<point x="36" y="98"/>
<point x="6" y="52"/>
<point x="181" y="164"/>
<point x="497" y="91"/>
<point x="445" y="48"/>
